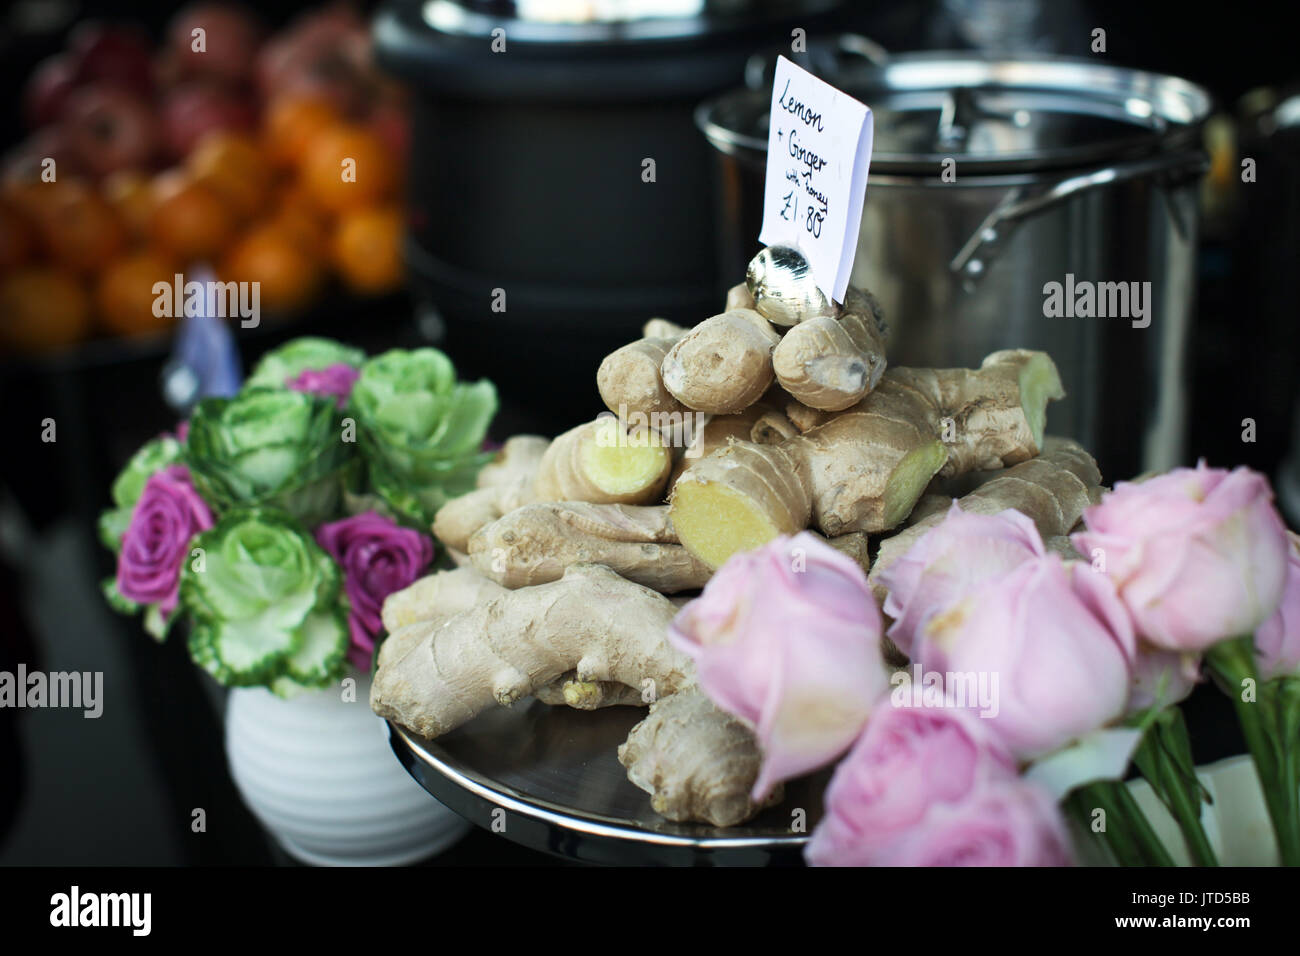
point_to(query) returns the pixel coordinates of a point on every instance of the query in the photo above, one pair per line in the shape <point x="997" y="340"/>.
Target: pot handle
<point x="822" y="59"/>
<point x="973" y="259"/>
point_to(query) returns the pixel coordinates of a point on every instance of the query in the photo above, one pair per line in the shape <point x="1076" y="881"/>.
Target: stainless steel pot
<point x="990" y="179"/>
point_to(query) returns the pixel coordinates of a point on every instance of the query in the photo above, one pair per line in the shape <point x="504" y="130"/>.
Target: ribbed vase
<point x="318" y="772"/>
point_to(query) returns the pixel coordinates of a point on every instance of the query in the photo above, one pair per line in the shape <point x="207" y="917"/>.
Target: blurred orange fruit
<point x="288" y="274"/>
<point x="42" y="309"/>
<point x="78" y="228"/>
<point x="129" y="193"/>
<point x="297" y="213"/>
<point x="189" y="222"/>
<point x="125" y="295"/>
<point x="347" y="167"/>
<point x="17" y="237"/>
<point x="233" y="166"/>
<point x="367" y="249"/>
<point x="291" y="123"/>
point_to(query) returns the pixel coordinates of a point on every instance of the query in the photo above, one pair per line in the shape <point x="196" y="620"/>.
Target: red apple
<point x="48" y="88"/>
<point x="192" y="110"/>
<point x="231" y="38"/>
<point x="112" y="54"/>
<point x="110" y="129"/>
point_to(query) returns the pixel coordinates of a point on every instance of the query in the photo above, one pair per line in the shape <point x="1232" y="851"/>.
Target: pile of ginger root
<point x="777" y="415"/>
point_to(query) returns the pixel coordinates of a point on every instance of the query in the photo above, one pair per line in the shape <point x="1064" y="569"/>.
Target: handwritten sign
<point x="818" y="151"/>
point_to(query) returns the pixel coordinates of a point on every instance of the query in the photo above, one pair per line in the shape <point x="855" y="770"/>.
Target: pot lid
<point x="991" y="114"/>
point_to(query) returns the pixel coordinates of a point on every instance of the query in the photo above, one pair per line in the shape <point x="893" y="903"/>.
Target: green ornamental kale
<point x="152" y="457"/>
<point x="264" y="446"/>
<point x="265" y="604"/>
<point x="298" y="355"/>
<point x="420" y="430"/>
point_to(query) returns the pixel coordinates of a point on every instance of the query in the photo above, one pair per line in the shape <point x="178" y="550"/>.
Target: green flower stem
<point x="1127" y="831"/>
<point x="1164" y="756"/>
<point x="1268" y="725"/>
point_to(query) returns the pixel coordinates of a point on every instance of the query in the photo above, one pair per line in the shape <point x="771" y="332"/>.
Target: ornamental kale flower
<point x="420" y="430"/>
<point x="282" y="449"/>
<point x="150" y="459"/>
<point x="378" y="558"/>
<point x="265" y="605"/>
<point x="334" y="382"/>
<point x="309" y="353"/>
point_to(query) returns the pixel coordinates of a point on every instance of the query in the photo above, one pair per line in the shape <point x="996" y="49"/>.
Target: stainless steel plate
<point x="548" y="778"/>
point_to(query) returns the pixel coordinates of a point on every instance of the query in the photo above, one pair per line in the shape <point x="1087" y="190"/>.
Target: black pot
<point x="527" y="177"/>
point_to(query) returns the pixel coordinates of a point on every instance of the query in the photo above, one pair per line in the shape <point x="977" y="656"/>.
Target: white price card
<point x="818" y="151"/>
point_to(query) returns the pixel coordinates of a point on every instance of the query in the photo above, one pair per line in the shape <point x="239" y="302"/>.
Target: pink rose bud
<point x="1161" y="678"/>
<point x="167" y="515"/>
<point x="1277" y="642"/>
<point x="1054" y="642"/>
<point x="908" y="762"/>
<point x="1198" y="555"/>
<point x="951" y="560"/>
<point x="787" y="638"/>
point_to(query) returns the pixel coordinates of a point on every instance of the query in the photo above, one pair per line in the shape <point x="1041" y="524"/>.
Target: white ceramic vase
<point x="318" y="772"/>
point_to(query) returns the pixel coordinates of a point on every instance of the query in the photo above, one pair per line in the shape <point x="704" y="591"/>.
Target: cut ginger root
<point x="865" y="468"/>
<point x="1051" y="490"/>
<point x="602" y="463"/>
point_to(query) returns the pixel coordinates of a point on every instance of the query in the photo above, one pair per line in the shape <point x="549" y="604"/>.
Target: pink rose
<point x="908" y="761"/>
<point x="949" y="561"/>
<point x="787" y="638"/>
<point x="167" y="515"/>
<point x="334" y="381"/>
<point x="1055" y="643"/>
<point x="1161" y="678"/>
<point x="1198" y="555"/>
<point x="1277" y="642"/>
<point x="1009" y="823"/>
<point x="377" y="557"/>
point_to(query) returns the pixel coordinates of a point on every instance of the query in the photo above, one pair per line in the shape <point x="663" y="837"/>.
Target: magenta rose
<point x="908" y="761"/>
<point x="377" y="556"/>
<point x="1277" y="642"/>
<point x="787" y="638"/>
<point x="949" y="561"/>
<point x="1198" y="555"/>
<point x="1055" y="643"/>
<point x="333" y="381"/>
<point x="167" y="515"/>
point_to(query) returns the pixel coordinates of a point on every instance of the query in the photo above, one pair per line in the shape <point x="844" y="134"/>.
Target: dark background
<point x="119" y="790"/>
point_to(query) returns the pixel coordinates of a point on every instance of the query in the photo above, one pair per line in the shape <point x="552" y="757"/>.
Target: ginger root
<point x="592" y="622"/>
<point x="536" y="543"/>
<point x="600" y="462"/>
<point x="724" y="364"/>
<point x="865" y="468"/>
<point x="832" y="363"/>
<point x="504" y="484"/>
<point x="1051" y="490"/>
<point x="697" y="762"/>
